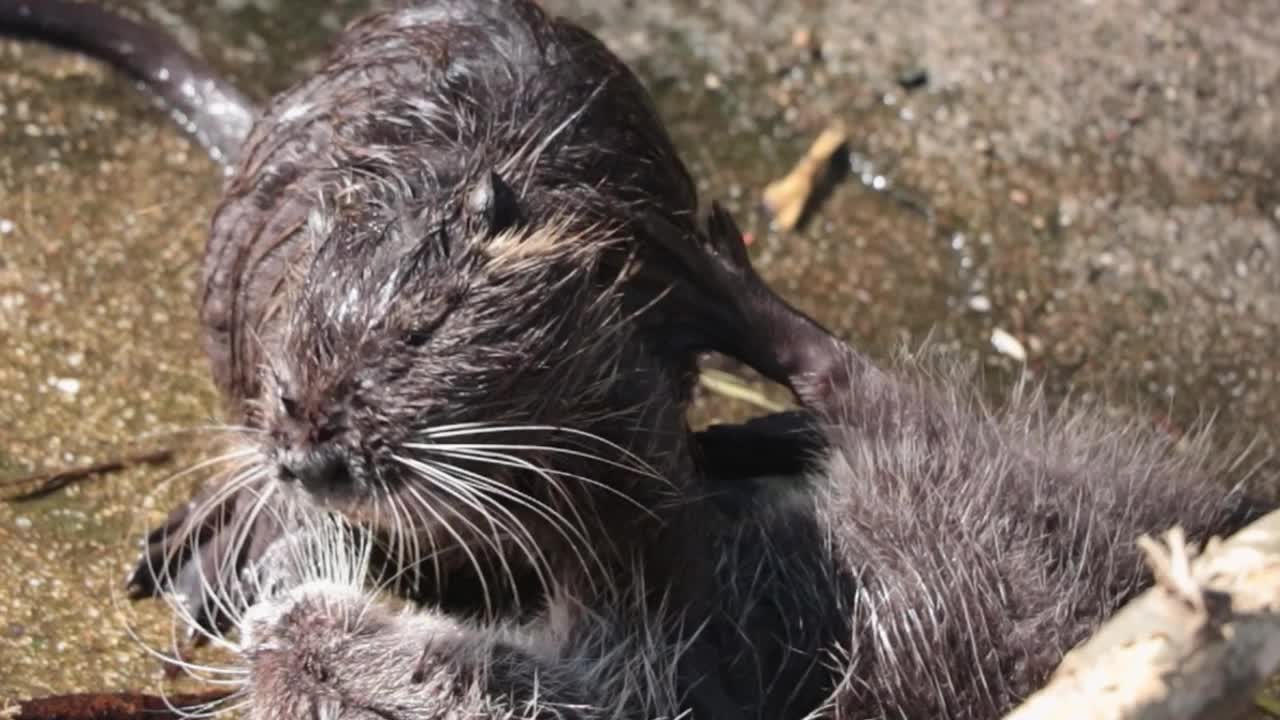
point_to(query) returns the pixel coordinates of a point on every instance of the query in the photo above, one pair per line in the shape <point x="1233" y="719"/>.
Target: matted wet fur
<point x="468" y="226"/>
<point x="978" y="544"/>
<point x="321" y="640"/>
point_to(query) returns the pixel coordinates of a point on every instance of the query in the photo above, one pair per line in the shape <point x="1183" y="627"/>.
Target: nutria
<point x="416" y="237"/>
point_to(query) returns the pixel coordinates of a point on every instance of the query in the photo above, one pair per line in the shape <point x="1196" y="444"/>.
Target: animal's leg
<point x="720" y="303"/>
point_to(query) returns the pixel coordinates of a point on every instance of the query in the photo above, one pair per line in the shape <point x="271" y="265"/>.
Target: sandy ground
<point x="1093" y="177"/>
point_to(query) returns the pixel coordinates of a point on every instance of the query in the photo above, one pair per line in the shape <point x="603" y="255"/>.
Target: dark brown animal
<point x="213" y="110"/>
<point x="471" y="213"/>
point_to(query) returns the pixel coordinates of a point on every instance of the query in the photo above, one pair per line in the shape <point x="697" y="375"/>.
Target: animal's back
<point x="414" y="108"/>
<point x="980" y="544"/>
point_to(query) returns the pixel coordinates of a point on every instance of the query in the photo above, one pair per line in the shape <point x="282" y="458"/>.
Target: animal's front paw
<point x="333" y="651"/>
<point x="323" y="650"/>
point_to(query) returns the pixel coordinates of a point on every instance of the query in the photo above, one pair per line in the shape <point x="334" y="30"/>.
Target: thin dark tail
<point x="211" y="109"/>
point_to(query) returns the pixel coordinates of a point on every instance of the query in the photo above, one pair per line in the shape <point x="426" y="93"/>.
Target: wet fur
<point x="320" y="641"/>
<point x="979" y="544"/>
<point x="470" y="214"/>
<point x="383" y="149"/>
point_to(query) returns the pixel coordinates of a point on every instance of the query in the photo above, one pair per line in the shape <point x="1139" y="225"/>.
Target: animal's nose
<point x="319" y="469"/>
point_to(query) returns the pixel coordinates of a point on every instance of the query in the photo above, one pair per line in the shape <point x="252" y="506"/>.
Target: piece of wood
<point x="1196" y="646"/>
<point x="39" y="485"/>
<point x="111" y="706"/>
<point x="788" y="199"/>
<point x="731" y="386"/>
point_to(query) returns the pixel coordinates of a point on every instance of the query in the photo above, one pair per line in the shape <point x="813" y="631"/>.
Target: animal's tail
<point x="211" y="109"/>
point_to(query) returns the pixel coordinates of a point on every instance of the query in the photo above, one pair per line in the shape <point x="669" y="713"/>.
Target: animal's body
<point x="936" y="560"/>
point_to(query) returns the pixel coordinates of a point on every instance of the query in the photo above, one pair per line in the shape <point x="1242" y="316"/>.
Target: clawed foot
<point x="720" y="303"/>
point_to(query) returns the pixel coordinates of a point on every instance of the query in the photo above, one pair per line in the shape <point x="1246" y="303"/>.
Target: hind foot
<point x="720" y="303"/>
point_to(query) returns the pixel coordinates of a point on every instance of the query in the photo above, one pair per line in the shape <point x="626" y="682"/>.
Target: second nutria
<point x="217" y="113"/>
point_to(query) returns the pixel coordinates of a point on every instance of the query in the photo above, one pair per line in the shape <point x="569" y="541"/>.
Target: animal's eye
<point x="422" y="334"/>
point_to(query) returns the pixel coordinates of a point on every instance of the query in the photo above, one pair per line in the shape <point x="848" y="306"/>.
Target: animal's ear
<point x="492" y="203"/>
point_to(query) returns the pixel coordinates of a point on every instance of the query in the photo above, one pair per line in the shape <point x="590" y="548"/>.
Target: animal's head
<point x="468" y="369"/>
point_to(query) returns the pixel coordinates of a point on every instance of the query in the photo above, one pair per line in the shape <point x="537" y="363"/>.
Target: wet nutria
<point x="434" y="231"/>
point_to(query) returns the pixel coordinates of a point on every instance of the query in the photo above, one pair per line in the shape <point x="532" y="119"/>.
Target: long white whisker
<point x="542" y="448"/>
<point x="426" y="506"/>
<point x="519" y="463"/>
<point x="202" y="710"/>
<point x="239" y="476"/>
<point x="457" y="489"/>
<point x="575" y="537"/>
<point x="642" y="466"/>
<point x="483" y="451"/>
<point x="240" y="530"/>
<point x="176" y="604"/>
<point x="518" y="533"/>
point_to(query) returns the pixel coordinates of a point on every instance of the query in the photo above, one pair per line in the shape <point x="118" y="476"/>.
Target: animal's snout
<point x="322" y="469"/>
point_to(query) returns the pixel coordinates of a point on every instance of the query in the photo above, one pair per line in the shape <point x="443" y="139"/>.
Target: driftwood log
<point x="790" y="199"/>
<point x="1196" y="646"/>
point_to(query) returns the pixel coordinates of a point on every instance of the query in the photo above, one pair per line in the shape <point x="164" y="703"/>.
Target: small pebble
<point x="913" y="78"/>
<point x="23" y="522"/>
<point x="67" y="386"/>
<point x="1006" y="344"/>
<point x="802" y="39"/>
<point x="980" y="303"/>
<point x="6" y="226"/>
